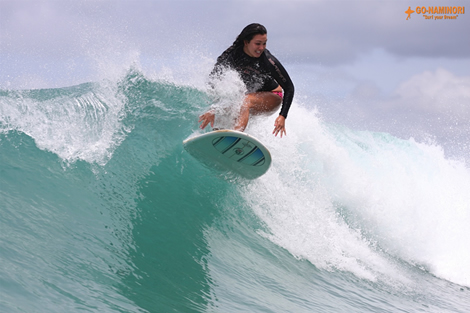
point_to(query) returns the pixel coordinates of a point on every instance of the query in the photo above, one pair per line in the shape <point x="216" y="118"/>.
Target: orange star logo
<point x="409" y="11"/>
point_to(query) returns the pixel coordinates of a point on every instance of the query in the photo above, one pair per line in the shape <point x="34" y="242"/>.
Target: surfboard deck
<point x="232" y="151"/>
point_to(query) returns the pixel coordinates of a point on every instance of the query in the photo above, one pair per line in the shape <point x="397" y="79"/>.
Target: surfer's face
<point x="256" y="46"/>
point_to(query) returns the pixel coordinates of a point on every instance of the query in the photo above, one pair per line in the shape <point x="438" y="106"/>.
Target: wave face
<point x="102" y="210"/>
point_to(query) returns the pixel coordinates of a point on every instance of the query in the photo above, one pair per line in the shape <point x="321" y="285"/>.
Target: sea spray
<point x="81" y="122"/>
<point x="346" y="199"/>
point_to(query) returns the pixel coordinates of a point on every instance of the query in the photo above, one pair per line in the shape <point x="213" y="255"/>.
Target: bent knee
<point x="263" y="102"/>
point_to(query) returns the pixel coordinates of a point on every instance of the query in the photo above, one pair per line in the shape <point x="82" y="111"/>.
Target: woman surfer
<point x="264" y="76"/>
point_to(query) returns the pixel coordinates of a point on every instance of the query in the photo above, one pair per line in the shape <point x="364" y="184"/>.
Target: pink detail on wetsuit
<point x="279" y="93"/>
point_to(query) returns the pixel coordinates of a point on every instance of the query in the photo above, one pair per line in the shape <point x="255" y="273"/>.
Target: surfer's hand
<point x="207" y="118"/>
<point x="280" y="126"/>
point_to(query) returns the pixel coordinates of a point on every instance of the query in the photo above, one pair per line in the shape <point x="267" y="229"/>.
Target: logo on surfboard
<point x="233" y="147"/>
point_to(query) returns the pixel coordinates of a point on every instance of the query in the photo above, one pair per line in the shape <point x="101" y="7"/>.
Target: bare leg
<point x="257" y="103"/>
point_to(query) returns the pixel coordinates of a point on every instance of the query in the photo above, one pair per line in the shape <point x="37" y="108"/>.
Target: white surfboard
<point x="232" y="151"/>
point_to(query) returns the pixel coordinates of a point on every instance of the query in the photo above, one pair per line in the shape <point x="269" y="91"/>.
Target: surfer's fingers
<point x="279" y="129"/>
<point x="275" y="131"/>
<point x="207" y="118"/>
<point x="202" y="117"/>
<point x="204" y="123"/>
<point x="209" y="114"/>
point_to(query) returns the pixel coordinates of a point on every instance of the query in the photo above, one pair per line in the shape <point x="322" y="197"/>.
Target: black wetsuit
<point x="259" y="74"/>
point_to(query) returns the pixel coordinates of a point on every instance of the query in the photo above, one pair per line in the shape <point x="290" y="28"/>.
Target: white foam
<point x="346" y="200"/>
<point x="85" y="127"/>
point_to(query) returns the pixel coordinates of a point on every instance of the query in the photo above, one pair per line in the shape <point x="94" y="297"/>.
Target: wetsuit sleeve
<point x="279" y="73"/>
<point x="224" y="61"/>
<point x="218" y="68"/>
<point x="216" y="72"/>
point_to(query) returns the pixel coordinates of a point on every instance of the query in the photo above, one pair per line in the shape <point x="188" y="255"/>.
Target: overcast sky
<point x="362" y="56"/>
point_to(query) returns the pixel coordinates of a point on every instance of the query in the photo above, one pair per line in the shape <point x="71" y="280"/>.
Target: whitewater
<point x="102" y="210"/>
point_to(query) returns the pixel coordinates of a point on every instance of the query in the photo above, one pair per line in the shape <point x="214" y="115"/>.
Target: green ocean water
<point x="102" y="210"/>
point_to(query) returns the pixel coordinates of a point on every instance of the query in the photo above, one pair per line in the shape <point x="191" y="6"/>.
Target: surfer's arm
<point x="224" y="63"/>
<point x="209" y="116"/>
<point x="280" y="74"/>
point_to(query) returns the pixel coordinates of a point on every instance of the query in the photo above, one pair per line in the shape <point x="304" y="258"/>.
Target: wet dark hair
<point x="248" y="33"/>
